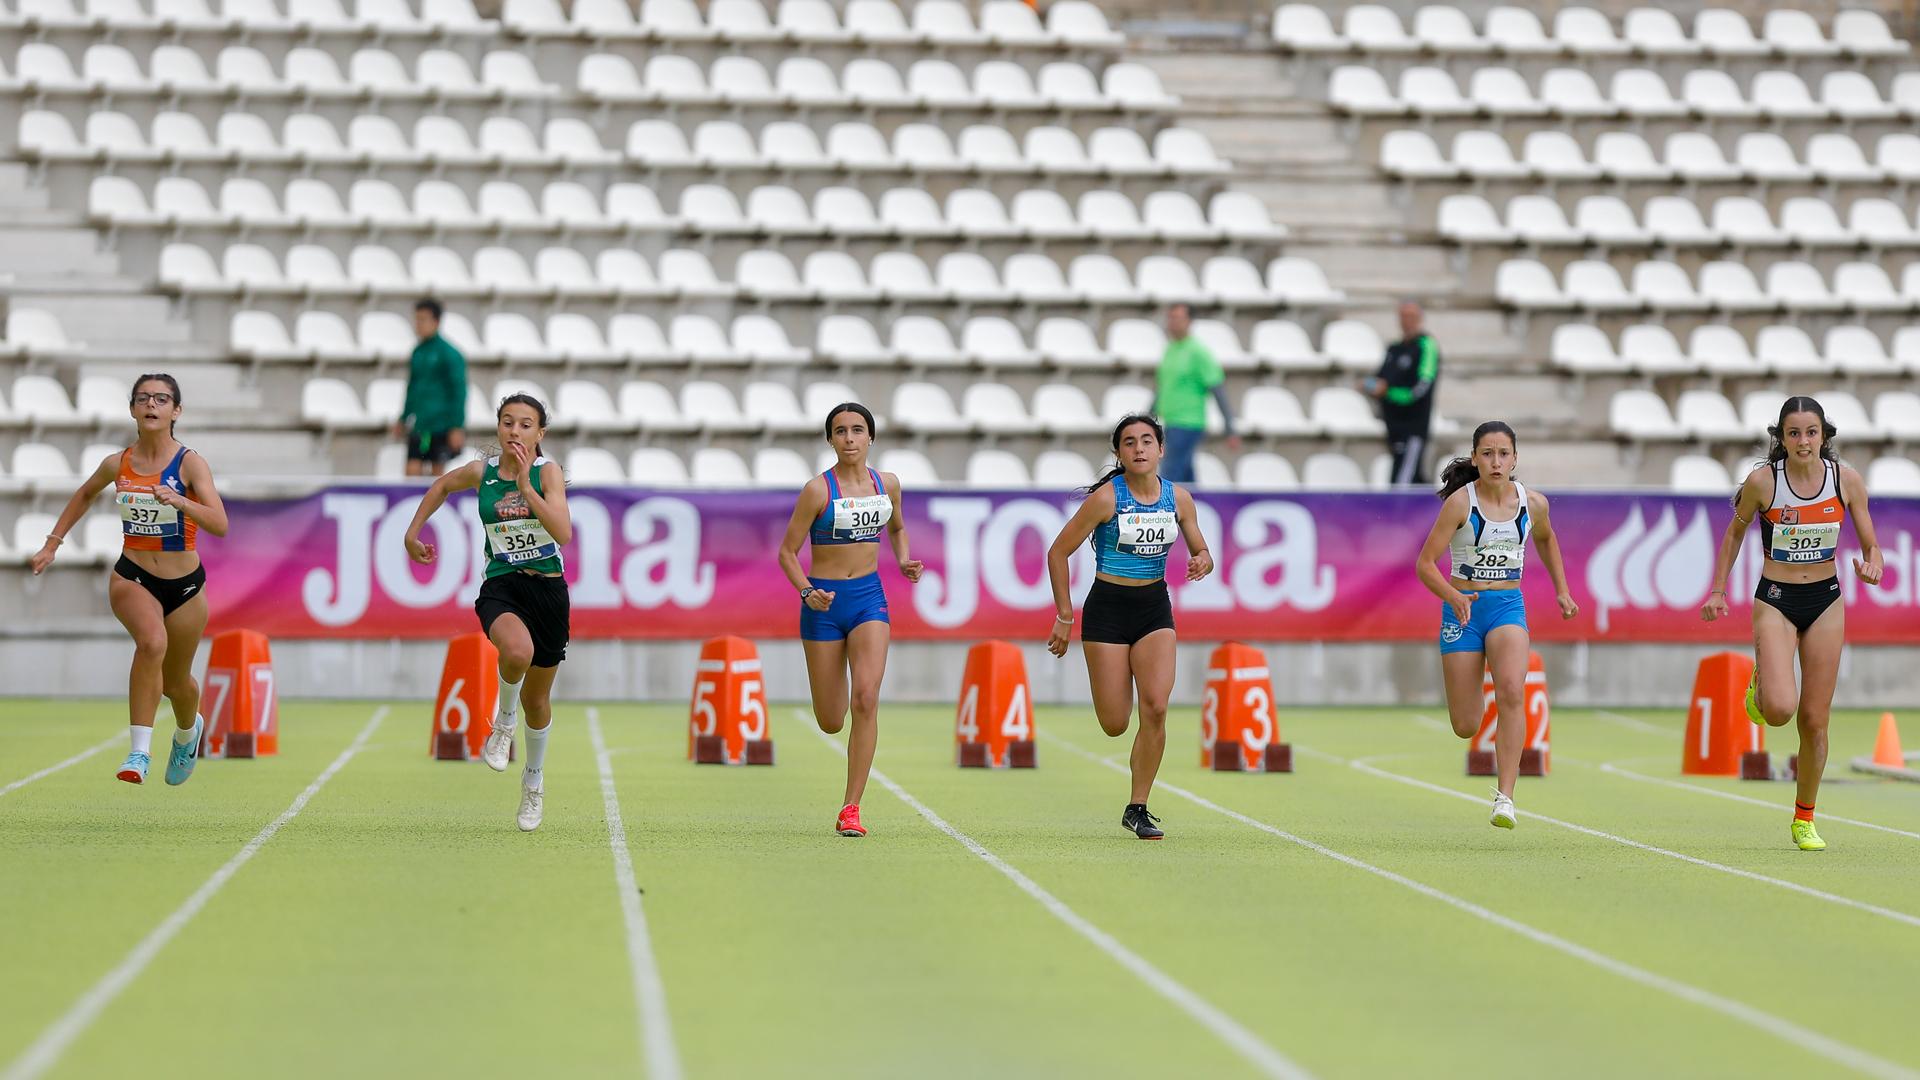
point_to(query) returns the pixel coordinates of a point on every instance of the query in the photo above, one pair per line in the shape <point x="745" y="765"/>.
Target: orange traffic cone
<point x="1886" y="749"/>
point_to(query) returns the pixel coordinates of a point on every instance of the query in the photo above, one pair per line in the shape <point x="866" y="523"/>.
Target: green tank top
<point x="515" y="538"/>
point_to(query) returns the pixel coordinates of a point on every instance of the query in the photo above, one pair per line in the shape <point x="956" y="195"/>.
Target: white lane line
<point x="53" y="1042"/>
<point x="1429" y="722"/>
<point x="1322" y="755"/>
<point x="1705" y="864"/>
<point x="1635" y="723"/>
<point x="1609" y="767"/>
<point x="51" y="769"/>
<point x="1779" y="1027"/>
<point x="1269" y="1061"/>
<point x="657" y="1048"/>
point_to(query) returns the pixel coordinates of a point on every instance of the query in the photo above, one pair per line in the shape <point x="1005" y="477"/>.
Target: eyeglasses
<point x="162" y="400"/>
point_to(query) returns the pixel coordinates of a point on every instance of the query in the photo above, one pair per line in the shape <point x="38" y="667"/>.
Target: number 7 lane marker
<point x="1251" y="1047"/>
<point x="657" y="1047"/>
<point x="1781" y="1028"/>
<point x="61" y="1034"/>
<point x="51" y="769"/>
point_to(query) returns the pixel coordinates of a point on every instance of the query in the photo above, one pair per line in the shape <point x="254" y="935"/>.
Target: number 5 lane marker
<point x="1251" y="1047"/>
<point x="1781" y="1028"/>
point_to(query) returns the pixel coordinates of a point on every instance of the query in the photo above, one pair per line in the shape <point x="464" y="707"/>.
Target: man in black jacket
<point x="1404" y="386"/>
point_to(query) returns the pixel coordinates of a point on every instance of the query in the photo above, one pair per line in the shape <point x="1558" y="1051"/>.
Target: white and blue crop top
<point x="1486" y="550"/>
<point x="857" y="519"/>
<point x="1134" y="542"/>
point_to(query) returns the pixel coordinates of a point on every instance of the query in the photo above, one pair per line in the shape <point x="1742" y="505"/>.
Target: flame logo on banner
<point x="1663" y="566"/>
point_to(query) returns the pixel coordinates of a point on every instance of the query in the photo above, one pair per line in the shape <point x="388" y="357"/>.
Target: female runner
<point x="523" y="605"/>
<point x="158" y="589"/>
<point x="844" y="628"/>
<point x="1485" y="520"/>
<point x="1797" y="605"/>
<point x="1128" y="638"/>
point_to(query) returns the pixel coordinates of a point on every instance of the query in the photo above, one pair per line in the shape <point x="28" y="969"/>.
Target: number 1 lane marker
<point x="1251" y="1047"/>
<point x="53" y="1042"/>
<point x="1786" y="1030"/>
<point x="657" y="1047"/>
<point x="51" y="769"/>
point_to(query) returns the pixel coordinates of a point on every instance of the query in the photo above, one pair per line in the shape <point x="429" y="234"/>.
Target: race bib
<point x="1805" y="543"/>
<point x="861" y="518"/>
<point x="1497" y="560"/>
<point x="1147" y="533"/>
<point x="143" y="515"/>
<point x="522" y="540"/>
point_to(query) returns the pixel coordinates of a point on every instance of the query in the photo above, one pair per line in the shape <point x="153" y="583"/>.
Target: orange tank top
<point x="147" y="524"/>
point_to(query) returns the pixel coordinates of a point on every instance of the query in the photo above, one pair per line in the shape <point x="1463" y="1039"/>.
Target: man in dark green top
<point x="1405" y="386"/>
<point x="1188" y="375"/>
<point x="435" y="414"/>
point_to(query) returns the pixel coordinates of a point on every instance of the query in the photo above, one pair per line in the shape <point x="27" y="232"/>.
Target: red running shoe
<point x="849" y="823"/>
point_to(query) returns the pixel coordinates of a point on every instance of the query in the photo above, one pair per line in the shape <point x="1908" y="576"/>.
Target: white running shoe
<point x="531" y="808"/>
<point x="498" y="749"/>
<point x="1504" y="815"/>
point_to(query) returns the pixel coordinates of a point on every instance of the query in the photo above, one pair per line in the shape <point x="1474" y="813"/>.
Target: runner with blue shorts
<point x="844" y="629"/>
<point x="1485" y="519"/>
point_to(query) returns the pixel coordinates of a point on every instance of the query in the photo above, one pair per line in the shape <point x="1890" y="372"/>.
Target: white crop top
<point x="1486" y="550"/>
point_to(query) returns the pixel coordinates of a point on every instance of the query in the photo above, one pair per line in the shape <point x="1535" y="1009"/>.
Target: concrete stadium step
<point x="1384" y="266"/>
<point x="115" y="320"/>
<point x="52" y="251"/>
<point x="1204" y="75"/>
<point x="1298" y="202"/>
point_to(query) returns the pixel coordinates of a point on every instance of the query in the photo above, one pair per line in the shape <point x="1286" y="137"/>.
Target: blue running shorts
<point x="1491" y="610"/>
<point x="855" y="601"/>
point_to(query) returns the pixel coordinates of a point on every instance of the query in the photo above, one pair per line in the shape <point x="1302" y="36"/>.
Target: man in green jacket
<point x="434" y="417"/>
<point x="1405" y="387"/>
<point x="1187" y="377"/>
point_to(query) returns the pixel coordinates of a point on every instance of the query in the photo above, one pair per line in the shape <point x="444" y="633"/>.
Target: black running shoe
<point x="1137" y="821"/>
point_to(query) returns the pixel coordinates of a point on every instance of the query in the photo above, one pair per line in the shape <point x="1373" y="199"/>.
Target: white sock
<point x="184" y="735"/>
<point x="142" y="738"/>
<point x="534" y="776"/>
<point x="509" y="706"/>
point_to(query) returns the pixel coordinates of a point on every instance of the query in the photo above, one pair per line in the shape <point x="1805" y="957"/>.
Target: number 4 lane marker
<point x="1780" y="1027"/>
<point x="1251" y="1047"/>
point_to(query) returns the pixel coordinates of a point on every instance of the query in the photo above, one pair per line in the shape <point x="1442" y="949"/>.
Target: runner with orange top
<point x="165" y="495"/>
<point x="1797" y="605"/>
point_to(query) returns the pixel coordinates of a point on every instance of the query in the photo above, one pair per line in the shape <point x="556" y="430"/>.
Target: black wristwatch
<point x="808" y="591"/>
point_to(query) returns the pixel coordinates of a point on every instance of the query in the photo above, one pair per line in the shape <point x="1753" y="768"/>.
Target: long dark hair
<point x="172" y="385"/>
<point x="531" y="402"/>
<point x="852" y="407"/>
<point x="1461" y="471"/>
<point x="1117" y="469"/>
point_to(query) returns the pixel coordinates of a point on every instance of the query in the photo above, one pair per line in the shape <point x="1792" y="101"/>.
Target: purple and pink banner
<point x="1295" y="566"/>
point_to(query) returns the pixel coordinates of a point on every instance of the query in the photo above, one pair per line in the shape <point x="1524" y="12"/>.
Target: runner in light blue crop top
<point x="1134" y="542"/>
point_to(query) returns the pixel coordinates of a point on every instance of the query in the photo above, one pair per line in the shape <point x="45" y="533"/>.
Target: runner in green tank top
<point x="523" y="607"/>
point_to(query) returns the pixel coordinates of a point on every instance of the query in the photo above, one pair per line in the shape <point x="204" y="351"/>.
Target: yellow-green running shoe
<point x="1753" y="698"/>
<point x="1805" y="838"/>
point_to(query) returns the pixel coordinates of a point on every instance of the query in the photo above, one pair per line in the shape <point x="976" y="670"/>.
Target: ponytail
<point x="1461" y="471"/>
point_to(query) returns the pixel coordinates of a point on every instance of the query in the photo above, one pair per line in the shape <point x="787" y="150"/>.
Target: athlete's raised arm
<point x="465" y="478"/>
<point x="1853" y="491"/>
<point x="90" y="488"/>
<point x="1751" y="499"/>
<point x="1548" y="545"/>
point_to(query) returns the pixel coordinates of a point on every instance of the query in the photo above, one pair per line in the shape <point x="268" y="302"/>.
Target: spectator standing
<point x="1188" y="374"/>
<point x="434" y="417"/>
<point x="1404" y="386"/>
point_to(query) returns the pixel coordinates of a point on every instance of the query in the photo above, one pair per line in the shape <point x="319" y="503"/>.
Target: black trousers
<point x="1409" y="450"/>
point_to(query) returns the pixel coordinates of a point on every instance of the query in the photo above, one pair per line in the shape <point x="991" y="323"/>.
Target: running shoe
<point x="532" y="807"/>
<point x="849" y="823"/>
<point x="134" y="769"/>
<point x="1137" y="821"/>
<point x="181" y="758"/>
<point x="498" y="748"/>
<point x="1504" y="816"/>
<point x="1753" y="699"/>
<point x="1805" y="838"/>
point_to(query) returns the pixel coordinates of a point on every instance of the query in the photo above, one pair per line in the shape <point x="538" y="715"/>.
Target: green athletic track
<point x="400" y="926"/>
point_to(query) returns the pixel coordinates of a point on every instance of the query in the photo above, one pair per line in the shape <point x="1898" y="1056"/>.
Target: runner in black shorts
<point x="1132" y="514"/>
<point x="1797" y="607"/>
<point x="523" y="606"/>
